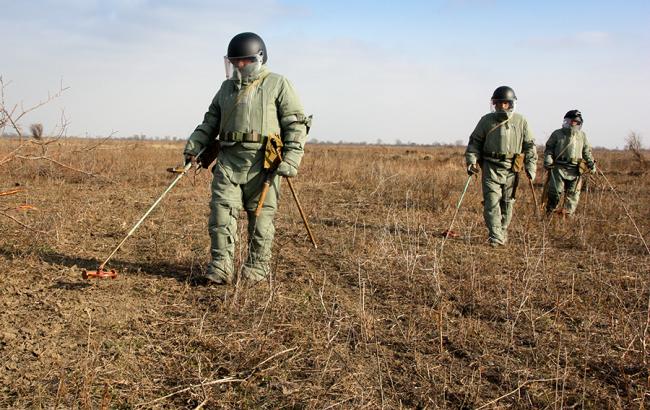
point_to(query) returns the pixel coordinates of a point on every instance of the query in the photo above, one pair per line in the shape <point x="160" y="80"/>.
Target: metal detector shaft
<point x="545" y="190"/>
<point x="265" y="190"/>
<point x="532" y="189"/>
<point x="169" y="188"/>
<point x="267" y="184"/>
<point x="460" y="201"/>
<point x="302" y="213"/>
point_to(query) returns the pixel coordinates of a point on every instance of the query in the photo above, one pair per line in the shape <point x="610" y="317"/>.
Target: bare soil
<point x="381" y="315"/>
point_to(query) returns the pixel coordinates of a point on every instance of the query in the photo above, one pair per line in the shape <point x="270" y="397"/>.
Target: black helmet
<point x="247" y="45"/>
<point x="504" y="93"/>
<point x="574" y="115"/>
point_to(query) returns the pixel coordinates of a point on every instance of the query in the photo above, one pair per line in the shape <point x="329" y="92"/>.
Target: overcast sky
<point x="420" y="71"/>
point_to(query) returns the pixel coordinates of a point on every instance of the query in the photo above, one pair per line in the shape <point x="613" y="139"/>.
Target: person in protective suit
<point x="251" y="106"/>
<point x="567" y="156"/>
<point x="501" y="145"/>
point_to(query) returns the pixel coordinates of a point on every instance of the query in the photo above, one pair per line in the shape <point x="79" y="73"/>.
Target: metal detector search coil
<point x="99" y="273"/>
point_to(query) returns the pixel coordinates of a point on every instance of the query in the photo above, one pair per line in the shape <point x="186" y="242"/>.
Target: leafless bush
<point x="633" y="143"/>
<point x="35" y="150"/>
<point x="37" y="131"/>
<point x="11" y="116"/>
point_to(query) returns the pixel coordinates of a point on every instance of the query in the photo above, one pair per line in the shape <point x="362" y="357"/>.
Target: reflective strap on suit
<point x="568" y="159"/>
<point x="501" y="156"/>
<point x="236" y="136"/>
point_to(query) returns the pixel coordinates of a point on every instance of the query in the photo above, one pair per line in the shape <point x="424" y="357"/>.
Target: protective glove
<point x="548" y="161"/>
<point x="190" y="158"/>
<point x="286" y="170"/>
<point x="592" y="170"/>
<point x="473" y="169"/>
<point x="530" y="174"/>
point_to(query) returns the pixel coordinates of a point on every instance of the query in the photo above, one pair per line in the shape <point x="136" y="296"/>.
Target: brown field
<point x="559" y="318"/>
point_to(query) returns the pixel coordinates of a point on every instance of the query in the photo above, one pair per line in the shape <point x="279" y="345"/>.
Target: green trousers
<point x="228" y="199"/>
<point x="497" y="202"/>
<point x="562" y="180"/>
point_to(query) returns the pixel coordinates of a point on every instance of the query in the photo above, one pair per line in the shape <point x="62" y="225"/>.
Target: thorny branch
<point x="92" y="147"/>
<point x="22" y="224"/>
<point x="229" y="379"/>
<point x="515" y="391"/>
<point x="11" y="154"/>
<point x="61" y="164"/>
<point x="11" y="117"/>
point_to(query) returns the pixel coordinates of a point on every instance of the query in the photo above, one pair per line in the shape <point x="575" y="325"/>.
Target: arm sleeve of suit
<point x="549" y="151"/>
<point x="293" y="124"/>
<point x="586" y="153"/>
<point x="529" y="149"/>
<point x="207" y="131"/>
<point x="475" y="144"/>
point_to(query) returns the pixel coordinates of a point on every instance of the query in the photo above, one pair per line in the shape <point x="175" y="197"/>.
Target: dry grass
<point x="559" y="318"/>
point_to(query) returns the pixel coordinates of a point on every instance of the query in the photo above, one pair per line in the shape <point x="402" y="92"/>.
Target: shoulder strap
<point x="565" y="147"/>
<point x="496" y="127"/>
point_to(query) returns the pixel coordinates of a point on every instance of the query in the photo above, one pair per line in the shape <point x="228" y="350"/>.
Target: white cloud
<point x="133" y="66"/>
<point x="571" y="40"/>
<point x="153" y="67"/>
<point x="594" y="38"/>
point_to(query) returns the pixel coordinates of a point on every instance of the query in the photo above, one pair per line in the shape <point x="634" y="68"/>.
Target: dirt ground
<point x="384" y="314"/>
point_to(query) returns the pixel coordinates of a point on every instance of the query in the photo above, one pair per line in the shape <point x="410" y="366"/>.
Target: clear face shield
<point x="571" y="123"/>
<point x="233" y="65"/>
<point x="230" y="69"/>
<point x="496" y="106"/>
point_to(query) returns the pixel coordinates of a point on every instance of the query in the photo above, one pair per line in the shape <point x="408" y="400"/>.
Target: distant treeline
<point x="397" y="142"/>
<point x="379" y="141"/>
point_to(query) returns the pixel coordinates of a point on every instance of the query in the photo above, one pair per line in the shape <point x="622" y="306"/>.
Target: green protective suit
<point x="564" y="150"/>
<point x="245" y="110"/>
<point x="496" y="139"/>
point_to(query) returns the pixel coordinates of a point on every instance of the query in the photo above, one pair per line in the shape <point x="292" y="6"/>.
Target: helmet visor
<point x="230" y="69"/>
<point x="231" y="63"/>
<point x="511" y="108"/>
<point x="569" y="123"/>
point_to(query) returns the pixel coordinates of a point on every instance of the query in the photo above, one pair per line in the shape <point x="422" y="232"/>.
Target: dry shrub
<point x="633" y="144"/>
<point x="558" y="318"/>
<point x="37" y="131"/>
